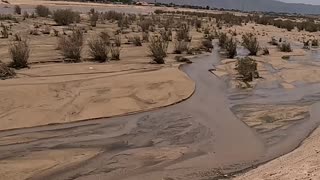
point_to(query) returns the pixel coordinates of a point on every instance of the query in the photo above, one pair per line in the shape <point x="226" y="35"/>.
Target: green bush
<point x="42" y="11"/>
<point x="158" y="49"/>
<point x="251" y="43"/>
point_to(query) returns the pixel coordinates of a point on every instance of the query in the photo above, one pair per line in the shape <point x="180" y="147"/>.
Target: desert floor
<point x="178" y="142"/>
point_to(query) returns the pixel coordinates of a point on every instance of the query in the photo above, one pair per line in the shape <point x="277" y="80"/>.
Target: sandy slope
<point x="64" y="98"/>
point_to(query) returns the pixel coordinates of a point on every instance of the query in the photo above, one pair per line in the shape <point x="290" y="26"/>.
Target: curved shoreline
<point x="213" y="140"/>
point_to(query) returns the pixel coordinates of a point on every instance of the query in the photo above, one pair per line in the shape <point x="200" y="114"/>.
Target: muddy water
<point x="199" y="138"/>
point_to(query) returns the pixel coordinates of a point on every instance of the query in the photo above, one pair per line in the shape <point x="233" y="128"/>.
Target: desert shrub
<point x="17" y="9"/>
<point x="145" y="24"/>
<point x="117" y="40"/>
<point x="19" y="52"/>
<point x="113" y="15"/>
<point x="274" y="42"/>
<point x="42" y="11"/>
<point x="231" y="47"/>
<point x="136" y="40"/>
<point x="182" y="59"/>
<point x="4" y="31"/>
<point x="183" y="33"/>
<point x="71" y="46"/>
<point x="25" y="15"/>
<point x="222" y="37"/>
<point x="93" y="19"/>
<point x="251" y="43"/>
<point x="115" y="53"/>
<point x="5" y="71"/>
<point x="265" y="51"/>
<point x="145" y="36"/>
<point x="98" y="49"/>
<point x="315" y="42"/>
<point x="285" y="57"/>
<point x="46" y="30"/>
<point x="198" y="24"/>
<point x="166" y="35"/>
<point x="247" y="69"/>
<point x="207" y="45"/>
<point x="180" y="47"/>
<point x="158" y="49"/>
<point x="105" y="37"/>
<point x="285" y="47"/>
<point x="65" y="16"/>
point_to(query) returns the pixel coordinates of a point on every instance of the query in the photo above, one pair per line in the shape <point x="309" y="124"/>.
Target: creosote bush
<point x="17" y="9"/>
<point x="180" y="47"/>
<point x="65" y="16"/>
<point x="5" y="71"/>
<point x="42" y="11"/>
<point x="231" y="47"/>
<point x="207" y="45"/>
<point x="71" y="46"/>
<point x="285" y="47"/>
<point x="183" y="33"/>
<point x="315" y="42"/>
<point x="4" y="31"/>
<point x="136" y="40"/>
<point x="115" y="53"/>
<point x="265" y="51"/>
<point x="222" y="37"/>
<point x="117" y="40"/>
<point x="247" y="69"/>
<point x="19" y="52"/>
<point x="158" y="49"/>
<point x="93" y="19"/>
<point x="98" y="49"/>
<point x="251" y="43"/>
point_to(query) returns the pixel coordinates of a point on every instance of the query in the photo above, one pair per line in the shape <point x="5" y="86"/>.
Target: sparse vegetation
<point x="42" y="11"/>
<point x="93" y="19"/>
<point x="251" y="43"/>
<point x="158" y="49"/>
<point x="183" y="33"/>
<point x="71" y="46"/>
<point x="136" y="40"/>
<point x="247" y="69"/>
<point x="19" y="52"/>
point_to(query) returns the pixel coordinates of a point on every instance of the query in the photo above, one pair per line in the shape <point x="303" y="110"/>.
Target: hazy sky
<point x="303" y="1"/>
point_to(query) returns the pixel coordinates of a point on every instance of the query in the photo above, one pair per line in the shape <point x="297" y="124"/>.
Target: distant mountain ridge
<point x="250" y="5"/>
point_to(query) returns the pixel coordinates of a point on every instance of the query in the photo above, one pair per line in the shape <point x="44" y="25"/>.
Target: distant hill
<point x="250" y="5"/>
